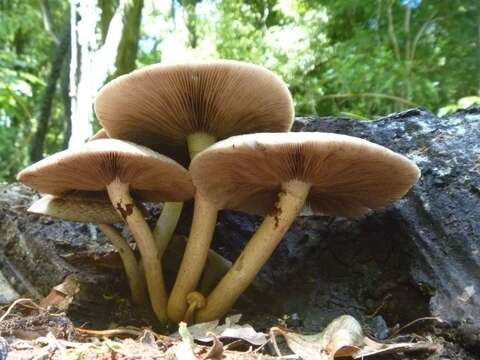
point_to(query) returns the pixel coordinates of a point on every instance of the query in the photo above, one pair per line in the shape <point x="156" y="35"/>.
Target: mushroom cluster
<point x="216" y="132"/>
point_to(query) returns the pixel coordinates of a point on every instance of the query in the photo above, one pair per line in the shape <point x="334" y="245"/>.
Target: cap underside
<point x="96" y="164"/>
<point x="77" y="210"/>
<point x="349" y="176"/>
<point x="166" y="103"/>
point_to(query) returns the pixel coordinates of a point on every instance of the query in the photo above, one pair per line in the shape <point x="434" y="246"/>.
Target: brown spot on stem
<point x="276" y="211"/>
<point x="125" y="211"/>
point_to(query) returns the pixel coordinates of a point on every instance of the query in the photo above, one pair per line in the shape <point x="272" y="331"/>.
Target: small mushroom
<point x="335" y="175"/>
<point x="118" y="167"/>
<point x="194" y="103"/>
<point x="171" y="211"/>
<point x="103" y="214"/>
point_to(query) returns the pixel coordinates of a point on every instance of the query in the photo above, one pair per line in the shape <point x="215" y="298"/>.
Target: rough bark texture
<point x="420" y="257"/>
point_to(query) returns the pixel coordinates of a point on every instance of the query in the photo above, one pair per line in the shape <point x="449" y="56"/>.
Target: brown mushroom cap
<point x="349" y="176"/>
<point x="96" y="164"/>
<point x="169" y="102"/>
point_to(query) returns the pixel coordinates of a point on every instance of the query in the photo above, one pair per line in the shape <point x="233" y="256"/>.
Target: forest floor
<point x="35" y="331"/>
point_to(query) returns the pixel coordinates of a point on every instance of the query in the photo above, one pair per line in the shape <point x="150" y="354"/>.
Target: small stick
<point x="117" y="331"/>
<point x="15" y="303"/>
<point x="415" y="321"/>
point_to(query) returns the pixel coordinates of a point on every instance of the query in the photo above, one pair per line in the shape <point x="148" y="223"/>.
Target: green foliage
<point x="25" y="50"/>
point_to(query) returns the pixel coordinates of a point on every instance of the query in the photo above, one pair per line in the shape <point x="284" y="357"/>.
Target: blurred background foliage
<point x="357" y="58"/>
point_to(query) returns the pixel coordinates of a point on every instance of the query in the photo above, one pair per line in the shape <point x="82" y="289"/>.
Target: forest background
<point x="355" y="58"/>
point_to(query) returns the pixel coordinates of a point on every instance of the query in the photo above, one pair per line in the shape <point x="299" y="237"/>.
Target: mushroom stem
<point x="166" y="224"/>
<point x="125" y="205"/>
<point x="197" y="142"/>
<point x="135" y="277"/>
<point x="291" y="200"/>
<point x="215" y="268"/>
<point x="195" y="301"/>
<point x="195" y="257"/>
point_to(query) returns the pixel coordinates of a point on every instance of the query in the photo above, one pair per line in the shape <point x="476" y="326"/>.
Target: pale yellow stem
<point x="166" y="224"/>
<point x="125" y="205"/>
<point x="193" y="262"/>
<point x="198" y="142"/>
<point x="215" y="268"/>
<point x="195" y="301"/>
<point x="135" y="277"/>
<point x="291" y="200"/>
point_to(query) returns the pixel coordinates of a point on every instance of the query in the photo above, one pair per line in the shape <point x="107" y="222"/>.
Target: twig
<point x="116" y="332"/>
<point x="17" y="302"/>
<point x="273" y="339"/>
<point x="414" y="322"/>
<point x="379" y="307"/>
<point x="374" y="95"/>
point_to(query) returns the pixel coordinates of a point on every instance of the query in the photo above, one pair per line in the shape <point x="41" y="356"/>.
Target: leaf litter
<point x="42" y="331"/>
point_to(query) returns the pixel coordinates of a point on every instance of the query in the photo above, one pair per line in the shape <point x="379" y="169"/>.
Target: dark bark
<point x="128" y="47"/>
<point x="60" y="53"/>
<point x="48" y="23"/>
<point x="107" y="8"/>
<point x="67" y="101"/>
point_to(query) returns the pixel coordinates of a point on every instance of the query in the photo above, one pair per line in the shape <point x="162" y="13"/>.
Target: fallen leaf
<point x="342" y="337"/>
<point x="231" y="329"/>
<point x="61" y="295"/>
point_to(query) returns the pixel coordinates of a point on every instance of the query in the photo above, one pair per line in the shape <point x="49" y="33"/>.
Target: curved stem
<point x="166" y="224"/>
<point x="291" y="200"/>
<point x="125" y="205"/>
<point x="193" y="262"/>
<point x="198" y="142"/>
<point x="135" y="277"/>
<point x="195" y="301"/>
<point x="215" y="268"/>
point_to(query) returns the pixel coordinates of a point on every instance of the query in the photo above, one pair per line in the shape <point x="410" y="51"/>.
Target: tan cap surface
<point x="349" y="176"/>
<point x="96" y="164"/>
<point x="85" y="211"/>
<point x="171" y="101"/>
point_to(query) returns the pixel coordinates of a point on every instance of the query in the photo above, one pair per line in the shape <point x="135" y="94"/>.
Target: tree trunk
<point x="127" y="49"/>
<point x="36" y="148"/>
<point x="96" y="61"/>
<point x="67" y="103"/>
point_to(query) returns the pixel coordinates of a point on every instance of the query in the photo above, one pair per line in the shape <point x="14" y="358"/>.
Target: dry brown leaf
<point x="231" y="329"/>
<point x="62" y="295"/>
<point x="342" y="337"/>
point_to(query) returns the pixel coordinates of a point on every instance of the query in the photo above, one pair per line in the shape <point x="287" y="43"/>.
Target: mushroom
<point x="335" y="175"/>
<point x="103" y="214"/>
<point x="171" y="211"/>
<point x="118" y="167"/>
<point x="197" y="104"/>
